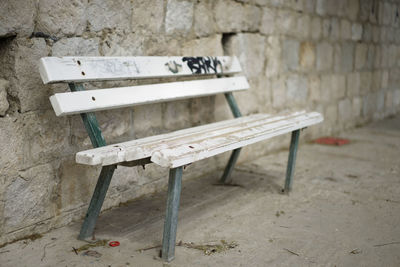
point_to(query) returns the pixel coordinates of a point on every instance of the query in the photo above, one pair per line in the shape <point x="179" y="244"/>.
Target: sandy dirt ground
<point x="344" y="210"/>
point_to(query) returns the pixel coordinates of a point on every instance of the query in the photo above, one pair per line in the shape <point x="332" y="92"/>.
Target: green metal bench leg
<point x="229" y="167"/>
<point x="294" y="143"/>
<point x="171" y="219"/>
<point x="96" y="202"/>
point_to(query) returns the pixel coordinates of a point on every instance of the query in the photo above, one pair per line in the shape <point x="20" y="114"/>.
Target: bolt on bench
<point x="172" y="150"/>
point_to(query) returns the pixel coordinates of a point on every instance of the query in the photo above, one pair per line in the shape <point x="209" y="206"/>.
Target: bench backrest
<point x="81" y="69"/>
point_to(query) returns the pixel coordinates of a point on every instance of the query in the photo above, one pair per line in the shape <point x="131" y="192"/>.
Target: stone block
<point x="365" y="82"/>
<point x="389" y="102"/>
<point x="147" y="19"/>
<point x="132" y="44"/>
<point x="62" y="18"/>
<point x="316" y="28"/>
<point x="12" y="137"/>
<point x="353" y="84"/>
<point x="323" y="7"/>
<point x="210" y="46"/>
<point x="356" y="31"/>
<point x="367" y="32"/>
<point x="45" y="137"/>
<point x="309" y="6"/>
<point x="365" y="9"/>
<point x="231" y="16"/>
<point x="147" y="120"/>
<point x="179" y="17"/>
<point x="76" y="46"/>
<point x="296" y="88"/>
<point x="303" y="26"/>
<point x="334" y="27"/>
<point x="376" y="80"/>
<point x="286" y="22"/>
<point x="326" y="88"/>
<point x="352" y="9"/>
<point x="369" y="105"/>
<point x="347" y="55"/>
<point x="278" y="92"/>
<point x="338" y="86"/>
<point x="30" y="197"/>
<point x="290" y="54"/>
<point x="396" y="99"/>
<point x="114" y="15"/>
<point x="337" y="58"/>
<point x="385" y="79"/>
<point x="345" y="110"/>
<point x="361" y="56"/>
<point x="249" y="48"/>
<point x="314" y="85"/>
<point x="273" y="56"/>
<point x="17" y="17"/>
<point x="25" y="83"/>
<point x="4" y="105"/>
<point x="380" y="101"/>
<point x="307" y="55"/>
<point x="369" y="64"/>
<point x="324" y="56"/>
<point x="204" y="24"/>
<point x="356" y="106"/>
<point x="331" y="113"/>
<point x="76" y="184"/>
<point x="345" y="29"/>
<point x="375" y="33"/>
<point x="268" y="21"/>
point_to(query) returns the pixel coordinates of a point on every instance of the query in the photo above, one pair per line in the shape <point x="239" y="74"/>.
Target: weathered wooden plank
<point x="144" y="147"/>
<point x="221" y="132"/>
<point x="171" y="218"/>
<point x="81" y="69"/>
<point x="173" y="157"/>
<point x="102" y="99"/>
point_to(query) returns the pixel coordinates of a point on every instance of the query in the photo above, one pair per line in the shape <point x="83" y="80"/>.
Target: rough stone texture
<point x="204" y="24"/>
<point x="29" y="197"/>
<point x="115" y="14"/>
<point x="179" y="17"/>
<point x="145" y="18"/>
<point x="58" y="17"/>
<point x="290" y="54"/>
<point x="231" y="16"/>
<point x="297" y="88"/>
<point x="4" y="105"/>
<point x="338" y="57"/>
<point x="307" y="55"/>
<point x="324" y="56"/>
<point x="25" y="84"/>
<point x="76" y="46"/>
<point x="17" y="17"/>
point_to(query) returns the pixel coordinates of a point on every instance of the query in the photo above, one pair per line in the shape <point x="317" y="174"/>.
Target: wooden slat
<point x="143" y="148"/>
<point x="173" y="157"/>
<point x="81" y="69"/>
<point x="102" y="99"/>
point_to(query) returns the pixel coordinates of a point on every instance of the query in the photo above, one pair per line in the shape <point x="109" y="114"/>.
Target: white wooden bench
<point x="172" y="150"/>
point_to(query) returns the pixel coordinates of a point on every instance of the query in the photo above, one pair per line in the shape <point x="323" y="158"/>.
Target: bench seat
<point x="182" y="147"/>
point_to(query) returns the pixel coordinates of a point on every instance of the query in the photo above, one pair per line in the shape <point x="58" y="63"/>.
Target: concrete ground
<point x="344" y="211"/>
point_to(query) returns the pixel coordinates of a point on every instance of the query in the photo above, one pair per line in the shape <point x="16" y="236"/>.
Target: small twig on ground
<point x="148" y="248"/>
<point x="222" y="184"/>
<point x="44" y="250"/>
<point x="76" y="251"/>
<point x="294" y="253"/>
<point x="355" y="251"/>
<point x="385" y="244"/>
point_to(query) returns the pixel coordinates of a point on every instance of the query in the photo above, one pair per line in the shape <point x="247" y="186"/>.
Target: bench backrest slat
<point x="81" y="69"/>
<point x="102" y="99"/>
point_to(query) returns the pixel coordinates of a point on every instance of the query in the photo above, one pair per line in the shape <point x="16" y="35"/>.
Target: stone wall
<point x="339" y="57"/>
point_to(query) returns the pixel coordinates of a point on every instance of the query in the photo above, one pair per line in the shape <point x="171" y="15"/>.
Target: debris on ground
<point x="209" y="249"/>
<point x="385" y="244"/>
<point x="332" y="141"/>
<point x="99" y="243"/>
<point x="292" y="252"/>
<point x="114" y="244"/>
<point x="279" y="213"/>
<point x="92" y="253"/>
<point x="355" y="251"/>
